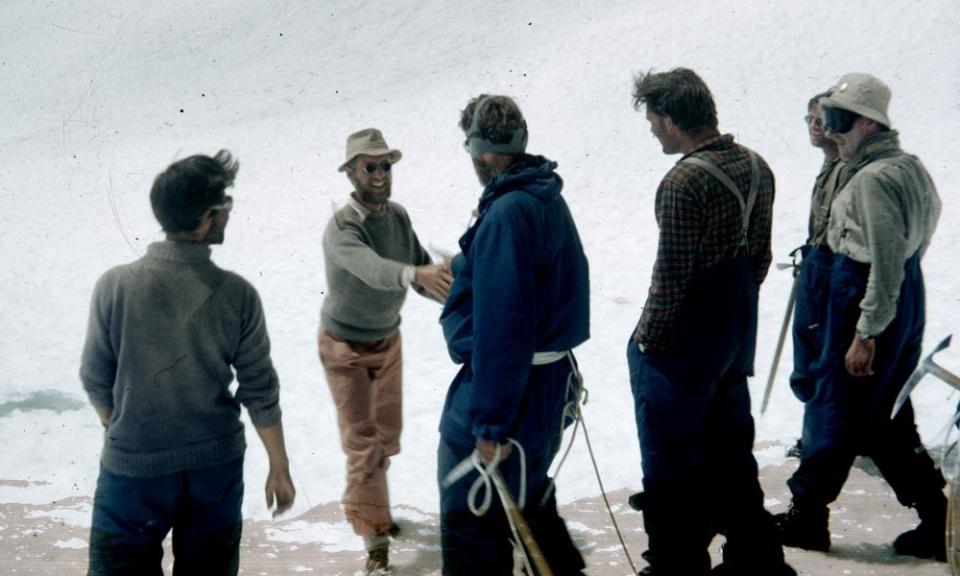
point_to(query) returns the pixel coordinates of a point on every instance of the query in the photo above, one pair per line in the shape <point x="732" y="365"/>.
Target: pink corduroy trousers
<point x="365" y="380"/>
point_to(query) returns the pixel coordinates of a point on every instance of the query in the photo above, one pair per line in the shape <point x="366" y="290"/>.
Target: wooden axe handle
<point x="526" y="535"/>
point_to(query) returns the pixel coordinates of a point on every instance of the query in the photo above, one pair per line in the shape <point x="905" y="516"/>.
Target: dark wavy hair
<point x="499" y="117"/>
<point x="816" y="99"/>
<point x="679" y="94"/>
<point x="189" y="187"/>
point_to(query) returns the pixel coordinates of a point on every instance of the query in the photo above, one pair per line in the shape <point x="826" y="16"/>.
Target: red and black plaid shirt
<point x="700" y="226"/>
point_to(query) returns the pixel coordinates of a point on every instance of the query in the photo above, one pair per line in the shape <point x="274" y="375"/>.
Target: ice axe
<point x="524" y="534"/>
<point x="791" y="301"/>
<point x="927" y="366"/>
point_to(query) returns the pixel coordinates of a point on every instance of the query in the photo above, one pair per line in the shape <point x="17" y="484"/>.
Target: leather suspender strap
<point x="746" y="206"/>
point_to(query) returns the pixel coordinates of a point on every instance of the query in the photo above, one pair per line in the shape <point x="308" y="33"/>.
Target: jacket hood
<point x="874" y="147"/>
<point x="532" y="175"/>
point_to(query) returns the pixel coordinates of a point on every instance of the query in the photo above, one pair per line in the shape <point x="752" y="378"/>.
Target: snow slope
<point x="96" y="99"/>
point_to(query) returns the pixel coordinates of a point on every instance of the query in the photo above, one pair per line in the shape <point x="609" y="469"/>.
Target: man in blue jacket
<point x="518" y="305"/>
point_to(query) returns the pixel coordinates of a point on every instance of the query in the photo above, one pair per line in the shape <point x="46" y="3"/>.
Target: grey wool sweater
<point x="163" y="335"/>
<point x="885" y="214"/>
<point x="365" y="254"/>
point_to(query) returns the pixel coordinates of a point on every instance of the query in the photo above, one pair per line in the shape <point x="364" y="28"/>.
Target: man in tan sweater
<point x="371" y="256"/>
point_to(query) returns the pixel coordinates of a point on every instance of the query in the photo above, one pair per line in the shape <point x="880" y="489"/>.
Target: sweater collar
<point x="188" y="252"/>
<point x="363" y="213"/>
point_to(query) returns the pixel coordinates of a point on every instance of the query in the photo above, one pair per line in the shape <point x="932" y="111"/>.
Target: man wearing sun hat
<point x="371" y="256"/>
<point x="881" y="223"/>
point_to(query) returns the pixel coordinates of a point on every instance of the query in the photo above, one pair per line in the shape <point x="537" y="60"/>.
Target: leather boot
<point x="928" y="540"/>
<point x="804" y="525"/>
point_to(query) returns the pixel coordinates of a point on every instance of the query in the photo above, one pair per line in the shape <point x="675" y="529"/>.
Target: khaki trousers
<point x="365" y="382"/>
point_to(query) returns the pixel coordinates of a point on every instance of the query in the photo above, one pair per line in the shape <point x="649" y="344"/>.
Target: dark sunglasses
<point x="227" y="204"/>
<point x="838" y="120"/>
<point x="815" y="119"/>
<point x="370" y="167"/>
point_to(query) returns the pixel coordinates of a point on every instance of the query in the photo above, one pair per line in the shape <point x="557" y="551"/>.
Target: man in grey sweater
<point x="371" y="256"/>
<point x="166" y="334"/>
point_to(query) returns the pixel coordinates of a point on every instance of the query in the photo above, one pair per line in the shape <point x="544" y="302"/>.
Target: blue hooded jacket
<point x="521" y="286"/>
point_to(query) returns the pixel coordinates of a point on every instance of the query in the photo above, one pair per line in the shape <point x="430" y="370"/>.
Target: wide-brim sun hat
<point x="861" y="94"/>
<point x="368" y="141"/>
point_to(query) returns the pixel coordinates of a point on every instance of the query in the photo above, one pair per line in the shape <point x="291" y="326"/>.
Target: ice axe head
<point x="926" y="365"/>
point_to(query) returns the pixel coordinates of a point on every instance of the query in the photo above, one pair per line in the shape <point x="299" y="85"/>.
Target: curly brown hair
<point x="499" y="117"/>
<point x="816" y="99"/>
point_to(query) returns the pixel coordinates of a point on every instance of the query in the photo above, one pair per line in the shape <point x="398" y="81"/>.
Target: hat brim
<point x="393" y="155"/>
<point x="834" y="102"/>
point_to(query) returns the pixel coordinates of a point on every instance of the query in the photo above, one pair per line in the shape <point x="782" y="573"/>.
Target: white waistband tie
<point x="544" y="358"/>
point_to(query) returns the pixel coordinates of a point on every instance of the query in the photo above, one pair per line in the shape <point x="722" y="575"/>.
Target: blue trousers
<point x="480" y="545"/>
<point x="849" y="416"/>
<point x="132" y="516"/>
<point x="696" y="433"/>
<point x="809" y="317"/>
<point x="699" y="473"/>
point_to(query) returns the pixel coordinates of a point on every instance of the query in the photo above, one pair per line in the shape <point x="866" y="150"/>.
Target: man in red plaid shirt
<point x="694" y="345"/>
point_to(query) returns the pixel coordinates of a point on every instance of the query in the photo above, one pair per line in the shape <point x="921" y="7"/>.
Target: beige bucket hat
<point x="370" y="142"/>
<point x="862" y="94"/>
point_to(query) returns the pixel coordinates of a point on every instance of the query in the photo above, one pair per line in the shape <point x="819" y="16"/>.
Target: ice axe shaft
<point x="926" y="366"/>
<point x="945" y="375"/>
<point x="534" y="552"/>
<point x="791" y="301"/>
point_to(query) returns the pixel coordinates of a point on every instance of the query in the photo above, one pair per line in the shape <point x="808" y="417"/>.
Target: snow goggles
<point x="477" y="145"/>
<point x="838" y="120"/>
<point x="227" y="204"/>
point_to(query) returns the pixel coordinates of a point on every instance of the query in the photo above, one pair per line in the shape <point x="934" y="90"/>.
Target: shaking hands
<point x="435" y="279"/>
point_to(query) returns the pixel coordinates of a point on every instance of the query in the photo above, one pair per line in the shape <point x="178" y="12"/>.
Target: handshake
<point x="434" y="280"/>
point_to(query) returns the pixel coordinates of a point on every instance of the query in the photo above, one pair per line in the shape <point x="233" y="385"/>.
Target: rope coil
<point x="489" y="478"/>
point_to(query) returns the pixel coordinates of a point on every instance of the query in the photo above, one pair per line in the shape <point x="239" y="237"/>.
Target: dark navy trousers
<point x="480" y="545"/>
<point x="132" y="516"/>
<point x="696" y="433"/>
<point x="809" y="317"/>
<point x="848" y="416"/>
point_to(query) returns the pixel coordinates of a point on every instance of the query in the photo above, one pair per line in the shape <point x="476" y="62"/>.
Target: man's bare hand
<point x="104" y="414"/>
<point x="488" y="450"/>
<point x="859" y="358"/>
<point x="436" y="280"/>
<point x="280" y="489"/>
<point x="279" y="485"/>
